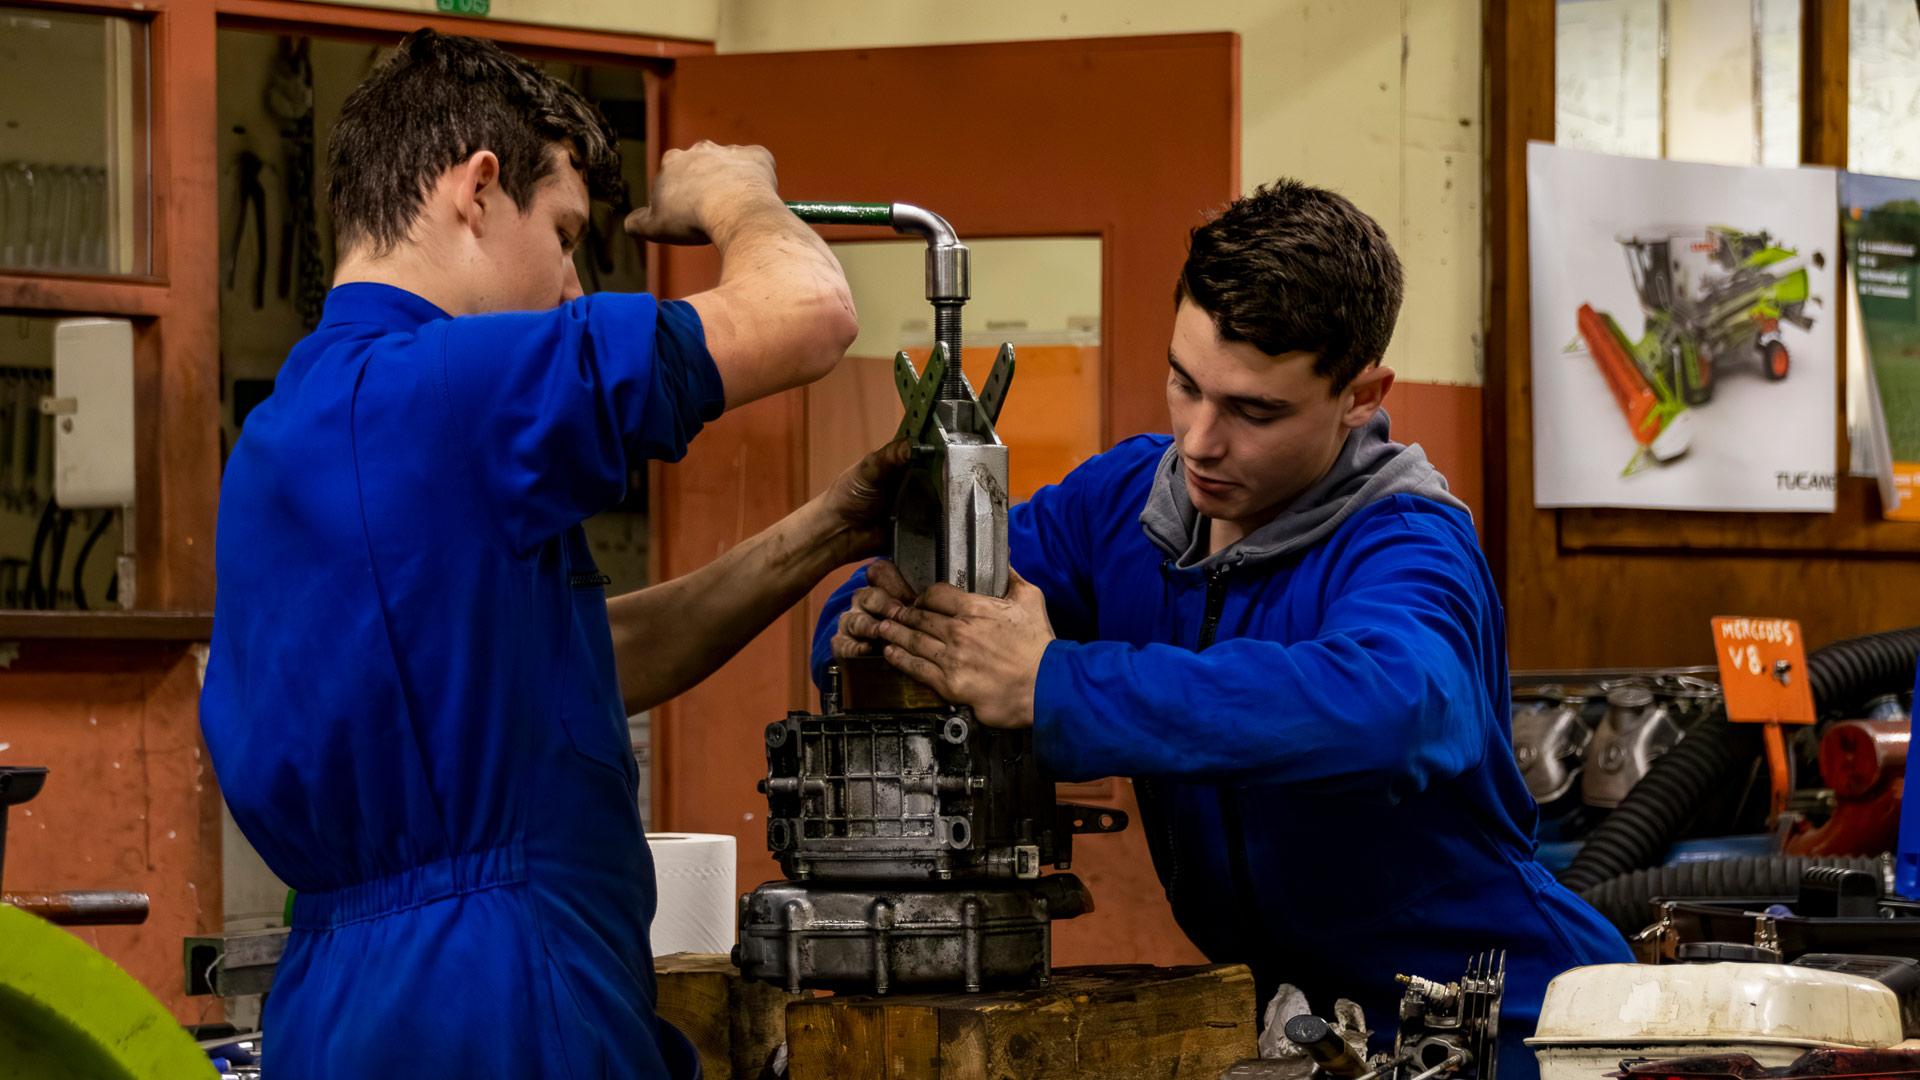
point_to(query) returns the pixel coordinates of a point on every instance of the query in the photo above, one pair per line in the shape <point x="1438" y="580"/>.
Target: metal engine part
<point x="1598" y="731"/>
<point x="1447" y="1030"/>
<point x="913" y="837"/>
<point x="1636" y="729"/>
<point x="1452" y="1029"/>
<point x="922" y="794"/>
<point x="874" y="937"/>
<point x="1550" y="738"/>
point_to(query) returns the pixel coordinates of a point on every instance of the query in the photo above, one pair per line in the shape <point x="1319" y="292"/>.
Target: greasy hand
<point x="886" y="590"/>
<point x="699" y="187"/>
<point x="974" y="650"/>
<point x="861" y="498"/>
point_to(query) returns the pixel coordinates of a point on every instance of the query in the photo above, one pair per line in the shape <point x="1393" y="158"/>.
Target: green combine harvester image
<point x="1710" y="299"/>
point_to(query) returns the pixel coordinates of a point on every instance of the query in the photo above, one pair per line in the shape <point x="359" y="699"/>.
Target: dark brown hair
<point x="1292" y="268"/>
<point x="432" y="104"/>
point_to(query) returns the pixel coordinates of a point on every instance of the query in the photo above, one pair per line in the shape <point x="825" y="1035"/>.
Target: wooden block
<point x="735" y="1023"/>
<point x="1101" y="1023"/>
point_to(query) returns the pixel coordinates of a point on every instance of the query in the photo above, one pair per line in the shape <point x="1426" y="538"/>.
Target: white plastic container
<point x="1592" y="1017"/>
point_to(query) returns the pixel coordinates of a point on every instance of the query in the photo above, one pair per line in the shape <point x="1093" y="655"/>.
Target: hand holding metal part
<point x="699" y="189"/>
<point x="980" y="651"/>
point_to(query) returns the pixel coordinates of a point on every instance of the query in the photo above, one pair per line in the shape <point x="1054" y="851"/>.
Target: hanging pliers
<point x="254" y="194"/>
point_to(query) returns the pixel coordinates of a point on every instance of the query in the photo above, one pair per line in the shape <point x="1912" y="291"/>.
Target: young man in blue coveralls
<point x="1280" y="623"/>
<point x="418" y="693"/>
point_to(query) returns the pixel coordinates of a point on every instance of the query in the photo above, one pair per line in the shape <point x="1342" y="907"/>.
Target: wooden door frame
<point x="771" y="434"/>
<point x="176" y="306"/>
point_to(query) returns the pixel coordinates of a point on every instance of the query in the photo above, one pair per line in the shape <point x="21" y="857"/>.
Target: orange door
<point x="1127" y="140"/>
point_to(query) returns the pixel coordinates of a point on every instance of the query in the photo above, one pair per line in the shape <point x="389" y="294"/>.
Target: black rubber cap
<point x="19" y="783"/>
<point x="1307" y="1029"/>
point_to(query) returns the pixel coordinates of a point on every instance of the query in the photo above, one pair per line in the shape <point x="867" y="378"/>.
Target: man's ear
<point x="475" y="185"/>
<point x="1366" y="394"/>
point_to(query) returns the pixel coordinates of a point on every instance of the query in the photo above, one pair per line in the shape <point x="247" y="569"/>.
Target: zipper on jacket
<point x="1216" y="599"/>
<point x="1149" y="790"/>
<point x="1232" y="821"/>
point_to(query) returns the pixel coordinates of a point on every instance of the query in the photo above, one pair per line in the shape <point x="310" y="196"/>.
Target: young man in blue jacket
<point x="1280" y="623"/>
<point x="418" y="691"/>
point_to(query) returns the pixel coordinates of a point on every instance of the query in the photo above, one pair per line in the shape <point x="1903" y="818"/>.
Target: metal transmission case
<point x="923" y="795"/>
<point x="866" y="938"/>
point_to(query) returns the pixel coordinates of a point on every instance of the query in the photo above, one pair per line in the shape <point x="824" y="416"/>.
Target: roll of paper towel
<point x="695" y="872"/>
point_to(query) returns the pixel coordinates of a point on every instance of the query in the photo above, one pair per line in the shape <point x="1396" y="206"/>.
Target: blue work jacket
<point x="1320" y="742"/>
<point x="411" y="700"/>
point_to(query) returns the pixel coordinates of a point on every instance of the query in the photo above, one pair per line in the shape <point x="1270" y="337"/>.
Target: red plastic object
<point x="1630" y="389"/>
<point x="1865" y="763"/>
<point x="1813" y="1065"/>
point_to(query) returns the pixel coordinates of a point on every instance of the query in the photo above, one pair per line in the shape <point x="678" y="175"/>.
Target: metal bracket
<point x="231" y="964"/>
<point x="917" y="392"/>
<point x="993" y="392"/>
<point x="1080" y="818"/>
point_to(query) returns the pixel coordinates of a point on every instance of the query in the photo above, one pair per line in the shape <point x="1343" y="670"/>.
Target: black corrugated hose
<point x="1626" y="901"/>
<point x="1843" y="674"/>
<point x="1847" y="674"/>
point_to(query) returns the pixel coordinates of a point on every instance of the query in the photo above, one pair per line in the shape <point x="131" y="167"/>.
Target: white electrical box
<point x="92" y="413"/>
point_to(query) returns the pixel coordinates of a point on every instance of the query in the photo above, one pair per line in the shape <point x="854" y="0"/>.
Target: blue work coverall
<point x="1322" y="741"/>
<point x="411" y="700"/>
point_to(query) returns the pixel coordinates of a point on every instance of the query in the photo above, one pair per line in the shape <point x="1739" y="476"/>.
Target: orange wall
<point x="130" y="800"/>
<point x="1445" y="420"/>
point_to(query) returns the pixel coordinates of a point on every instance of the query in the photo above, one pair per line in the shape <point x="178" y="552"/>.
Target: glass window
<point x="1883" y="88"/>
<point x="1041" y="294"/>
<point x="51" y="557"/>
<point x="1693" y="80"/>
<point x="73" y="143"/>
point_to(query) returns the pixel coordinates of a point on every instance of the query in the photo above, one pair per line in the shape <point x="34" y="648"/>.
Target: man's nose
<point x="570" y="288"/>
<point x="1205" y="440"/>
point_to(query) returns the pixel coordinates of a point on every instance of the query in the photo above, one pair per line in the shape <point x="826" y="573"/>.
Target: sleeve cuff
<point x="1057" y="711"/>
<point x="680" y="349"/>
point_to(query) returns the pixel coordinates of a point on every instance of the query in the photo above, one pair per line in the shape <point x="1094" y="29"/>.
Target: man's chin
<point x="1210" y="505"/>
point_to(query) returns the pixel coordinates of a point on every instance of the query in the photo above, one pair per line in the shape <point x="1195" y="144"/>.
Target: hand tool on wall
<point x="290" y="97"/>
<point x="16" y="204"/>
<point x="252" y="196"/>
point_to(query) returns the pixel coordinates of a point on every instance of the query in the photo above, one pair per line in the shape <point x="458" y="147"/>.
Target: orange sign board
<point x="1763" y="670"/>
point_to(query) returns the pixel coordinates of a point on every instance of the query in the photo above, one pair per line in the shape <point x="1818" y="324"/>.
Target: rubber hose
<point x="1846" y="673"/>
<point x="80" y="560"/>
<point x="1625" y="900"/>
<point x="1643" y="826"/>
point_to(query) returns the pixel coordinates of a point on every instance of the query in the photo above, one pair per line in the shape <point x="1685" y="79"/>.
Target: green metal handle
<point x="843" y="213"/>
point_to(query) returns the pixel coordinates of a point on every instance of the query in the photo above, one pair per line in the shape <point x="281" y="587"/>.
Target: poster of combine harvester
<point x="1682" y="333"/>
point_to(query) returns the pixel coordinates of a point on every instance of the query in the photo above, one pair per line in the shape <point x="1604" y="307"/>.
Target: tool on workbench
<point x="1448" y="1031"/>
<point x="913" y="837"/>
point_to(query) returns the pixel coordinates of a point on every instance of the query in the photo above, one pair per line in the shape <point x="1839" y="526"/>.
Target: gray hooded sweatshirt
<point x="1369" y="467"/>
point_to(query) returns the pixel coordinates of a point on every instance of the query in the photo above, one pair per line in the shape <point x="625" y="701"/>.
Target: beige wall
<point x="1378" y="99"/>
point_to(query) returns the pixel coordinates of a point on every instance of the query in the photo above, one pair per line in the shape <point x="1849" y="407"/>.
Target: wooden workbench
<point x="1100" y="1023"/>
